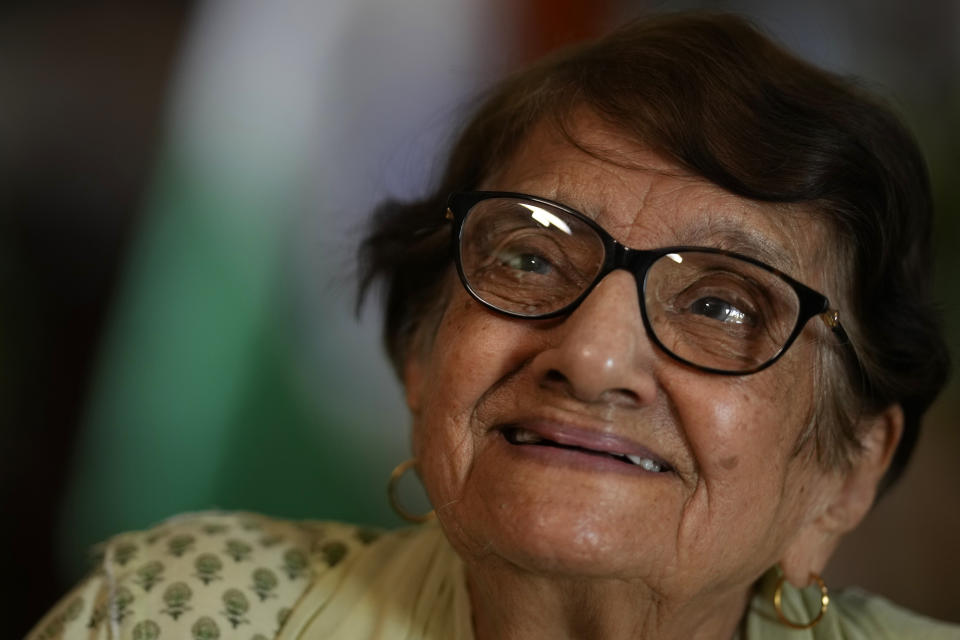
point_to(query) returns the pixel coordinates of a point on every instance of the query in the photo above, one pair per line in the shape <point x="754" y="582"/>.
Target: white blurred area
<point x="288" y="122"/>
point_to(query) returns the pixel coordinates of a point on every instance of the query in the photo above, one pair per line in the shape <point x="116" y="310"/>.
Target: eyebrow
<point x="724" y="234"/>
<point x="718" y="232"/>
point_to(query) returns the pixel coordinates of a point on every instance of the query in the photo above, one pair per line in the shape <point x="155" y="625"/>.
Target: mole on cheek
<point x="729" y="463"/>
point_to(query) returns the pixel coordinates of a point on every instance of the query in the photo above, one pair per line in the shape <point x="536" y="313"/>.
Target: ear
<point x="413" y="381"/>
<point x="848" y="499"/>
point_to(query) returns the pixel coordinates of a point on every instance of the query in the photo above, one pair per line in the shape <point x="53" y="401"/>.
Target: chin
<point x="577" y="541"/>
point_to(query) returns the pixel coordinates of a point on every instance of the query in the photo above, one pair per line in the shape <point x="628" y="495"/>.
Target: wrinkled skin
<point x="586" y="543"/>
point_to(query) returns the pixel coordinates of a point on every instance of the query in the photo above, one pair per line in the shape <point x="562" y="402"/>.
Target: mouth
<point x="519" y="436"/>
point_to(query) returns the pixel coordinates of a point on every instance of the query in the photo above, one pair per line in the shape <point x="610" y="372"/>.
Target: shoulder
<point x="852" y="614"/>
<point x="203" y="575"/>
<point x="863" y="615"/>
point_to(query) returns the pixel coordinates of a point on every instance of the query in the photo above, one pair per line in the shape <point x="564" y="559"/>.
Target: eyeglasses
<point x="715" y="310"/>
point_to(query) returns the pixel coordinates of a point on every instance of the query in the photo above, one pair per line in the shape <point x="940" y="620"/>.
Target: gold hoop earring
<point x="395" y="475"/>
<point x="824" y="603"/>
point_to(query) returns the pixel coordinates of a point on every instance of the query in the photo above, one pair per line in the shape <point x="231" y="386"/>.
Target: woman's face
<point x="739" y="485"/>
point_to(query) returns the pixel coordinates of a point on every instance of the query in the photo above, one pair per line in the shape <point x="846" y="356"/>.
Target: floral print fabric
<point x="216" y="576"/>
<point x="205" y="577"/>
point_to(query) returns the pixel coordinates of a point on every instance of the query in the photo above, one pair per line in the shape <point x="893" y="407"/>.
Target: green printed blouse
<point x="214" y="576"/>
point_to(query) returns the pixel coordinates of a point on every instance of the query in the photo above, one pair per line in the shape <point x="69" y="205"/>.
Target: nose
<point x="602" y="353"/>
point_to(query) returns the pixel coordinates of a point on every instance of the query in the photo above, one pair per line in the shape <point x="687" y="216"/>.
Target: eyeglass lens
<point x="713" y="310"/>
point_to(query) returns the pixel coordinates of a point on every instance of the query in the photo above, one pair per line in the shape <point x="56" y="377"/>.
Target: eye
<point x="529" y="262"/>
<point x="719" y="310"/>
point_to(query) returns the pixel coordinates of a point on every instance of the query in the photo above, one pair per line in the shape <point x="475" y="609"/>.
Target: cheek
<point x="739" y="433"/>
<point x="473" y="350"/>
<point x="744" y="436"/>
<point x="752" y="424"/>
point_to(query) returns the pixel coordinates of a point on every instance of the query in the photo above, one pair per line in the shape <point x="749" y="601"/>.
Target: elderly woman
<point x="665" y="331"/>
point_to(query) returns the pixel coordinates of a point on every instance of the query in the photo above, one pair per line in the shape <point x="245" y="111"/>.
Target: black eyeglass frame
<point x="638" y="263"/>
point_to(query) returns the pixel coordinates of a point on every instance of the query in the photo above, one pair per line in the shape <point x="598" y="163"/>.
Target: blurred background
<point x="182" y="186"/>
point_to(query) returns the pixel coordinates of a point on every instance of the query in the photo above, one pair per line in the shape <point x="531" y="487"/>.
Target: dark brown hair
<point x="714" y="95"/>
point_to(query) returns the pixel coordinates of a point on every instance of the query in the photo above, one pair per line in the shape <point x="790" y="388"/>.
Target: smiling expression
<point x="574" y="446"/>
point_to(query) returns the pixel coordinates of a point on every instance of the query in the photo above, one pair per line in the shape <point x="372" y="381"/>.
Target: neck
<point x="508" y="602"/>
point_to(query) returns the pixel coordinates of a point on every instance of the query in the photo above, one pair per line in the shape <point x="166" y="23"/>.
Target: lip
<point x="577" y="438"/>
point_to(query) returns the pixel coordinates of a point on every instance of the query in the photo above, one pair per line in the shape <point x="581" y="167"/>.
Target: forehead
<point x="647" y="202"/>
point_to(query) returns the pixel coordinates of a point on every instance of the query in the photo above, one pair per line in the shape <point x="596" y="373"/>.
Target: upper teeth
<point x="524" y="436"/>
<point x="645" y="463"/>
